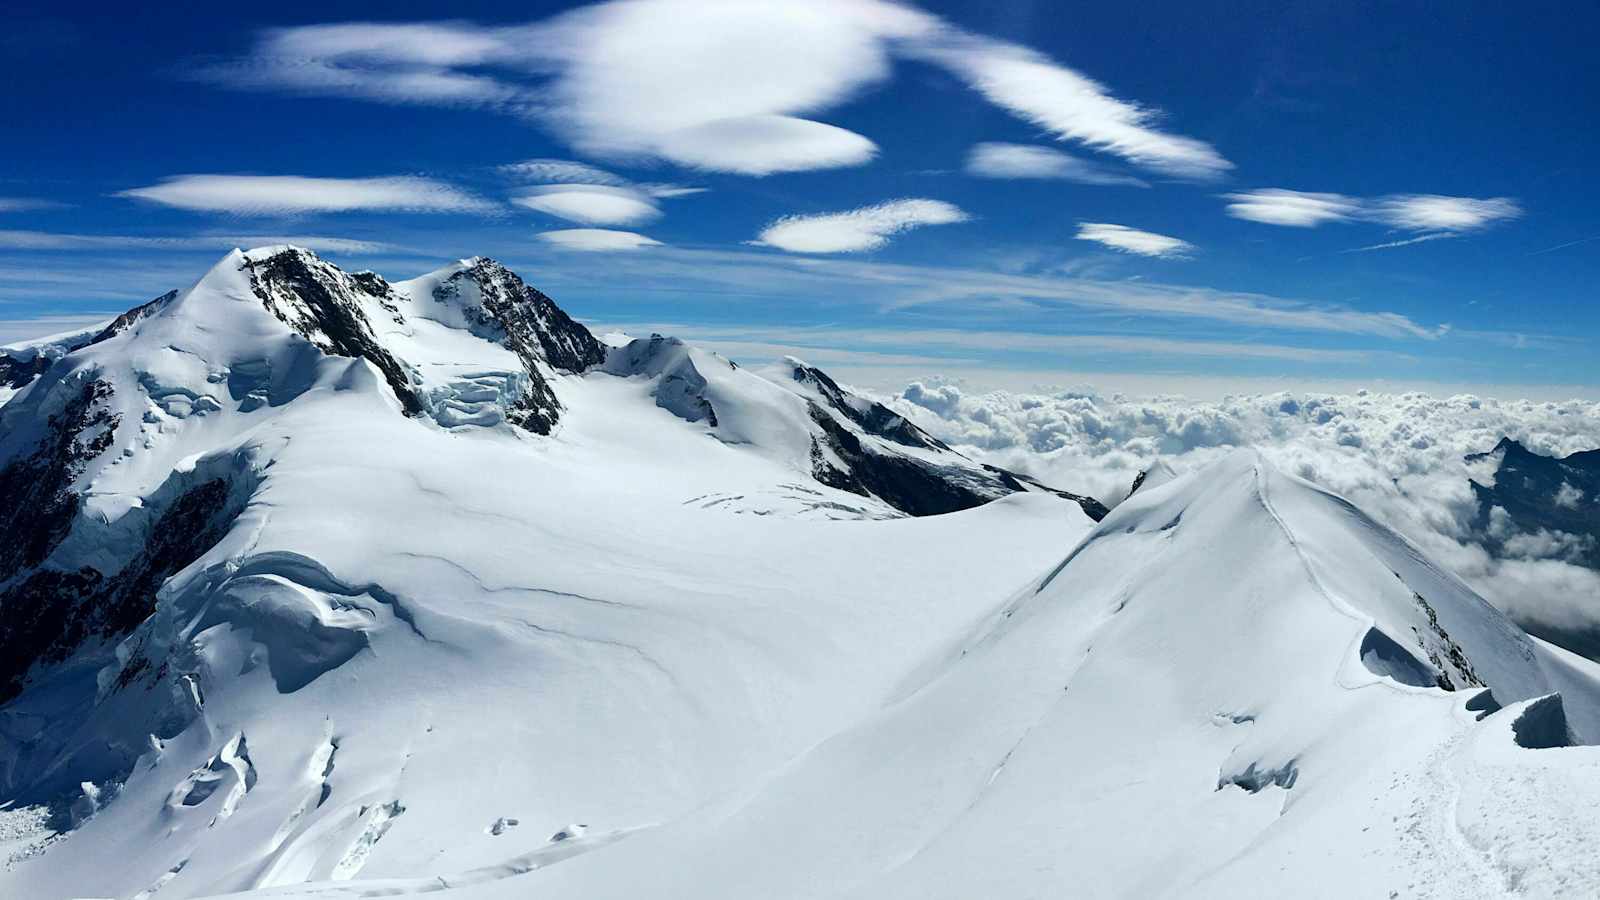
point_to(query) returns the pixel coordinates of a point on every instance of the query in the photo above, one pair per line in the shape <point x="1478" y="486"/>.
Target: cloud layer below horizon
<point x="1399" y="457"/>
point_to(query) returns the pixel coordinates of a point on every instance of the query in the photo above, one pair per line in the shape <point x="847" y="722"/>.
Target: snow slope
<point x="1217" y="693"/>
<point x="381" y="590"/>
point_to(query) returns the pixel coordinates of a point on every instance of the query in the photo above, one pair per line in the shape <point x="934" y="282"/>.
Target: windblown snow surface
<point x="493" y="611"/>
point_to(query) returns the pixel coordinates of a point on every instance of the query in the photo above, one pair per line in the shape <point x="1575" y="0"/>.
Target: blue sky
<point x="1146" y="197"/>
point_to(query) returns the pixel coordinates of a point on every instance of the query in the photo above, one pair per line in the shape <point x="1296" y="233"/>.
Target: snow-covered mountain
<point x="99" y="479"/>
<point x="320" y="586"/>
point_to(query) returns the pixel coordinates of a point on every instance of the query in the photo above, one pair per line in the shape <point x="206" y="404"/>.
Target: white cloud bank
<point x="1000" y="160"/>
<point x="1132" y="240"/>
<point x="719" y="85"/>
<point x="1411" y="212"/>
<point x="596" y="240"/>
<point x="855" y="230"/>
<point x="1396" y="456"/>
<point x="264" y="195"/>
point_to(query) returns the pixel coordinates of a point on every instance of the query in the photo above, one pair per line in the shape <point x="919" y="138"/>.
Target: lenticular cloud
<point x="866" y="228"/>
<point x="614" y="79"/>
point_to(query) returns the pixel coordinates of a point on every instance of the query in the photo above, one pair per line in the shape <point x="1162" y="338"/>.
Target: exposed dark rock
<point x="1442" y="650"/>
<point x="50" y="612"/>
<point x="873" y="417"/>
<point x="19" y="368"/>
<point x="529" y="324"/>
<point x="132" y="317"/>
<point x="911" y="485"/>
<point x="1138" y="481"/>
<point x="18" y="373"/>
<point x="1092" y="508"/>
<point x="318" y="301"/>
<point x="908" y="484"/>
<point x="37" y="504"/>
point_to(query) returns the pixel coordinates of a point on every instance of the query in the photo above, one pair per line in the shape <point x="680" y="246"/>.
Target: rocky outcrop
<point x="324" y="305"/>
<point x="500" y="307"/>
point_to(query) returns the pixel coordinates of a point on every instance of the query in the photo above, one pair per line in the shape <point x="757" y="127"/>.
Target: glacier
<point x="322" y="586"/>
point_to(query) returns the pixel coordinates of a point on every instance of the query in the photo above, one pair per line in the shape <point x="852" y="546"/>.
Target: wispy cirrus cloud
<point x="596" y="240"/>
<point x="561" y="171"/>
<point x="1410" y="212"/>
<point x="1297" y="209"/>
<point x="1068" y="104"/>
<point x="51" y="240"/>
<point x="747" y="276"/>
<point x="26" y="204"/>
<point x="932" y="343"/>
<point x="1132" y="240"/>
<point x="855" y="230"/>
<point x="267" y="195"/>
<point x="689" y="272"/>
<point x="1406" y="242"/>
<point x="1432" y="212"/>
<point x="1000" y="160"/>
<point x="1565" y="244"/>
<point x="20" y="331"/>
<point x="611" y="79"/>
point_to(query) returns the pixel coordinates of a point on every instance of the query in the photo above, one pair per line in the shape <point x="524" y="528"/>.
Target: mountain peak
<point x="269" y="251"/>
<point x="1509" y="443"/>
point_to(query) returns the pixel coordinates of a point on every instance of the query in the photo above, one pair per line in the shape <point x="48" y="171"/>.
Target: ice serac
<point x="491" y="302"/>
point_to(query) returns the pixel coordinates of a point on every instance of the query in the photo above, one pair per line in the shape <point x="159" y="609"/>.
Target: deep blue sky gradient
<point x="1366" y="99"/>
